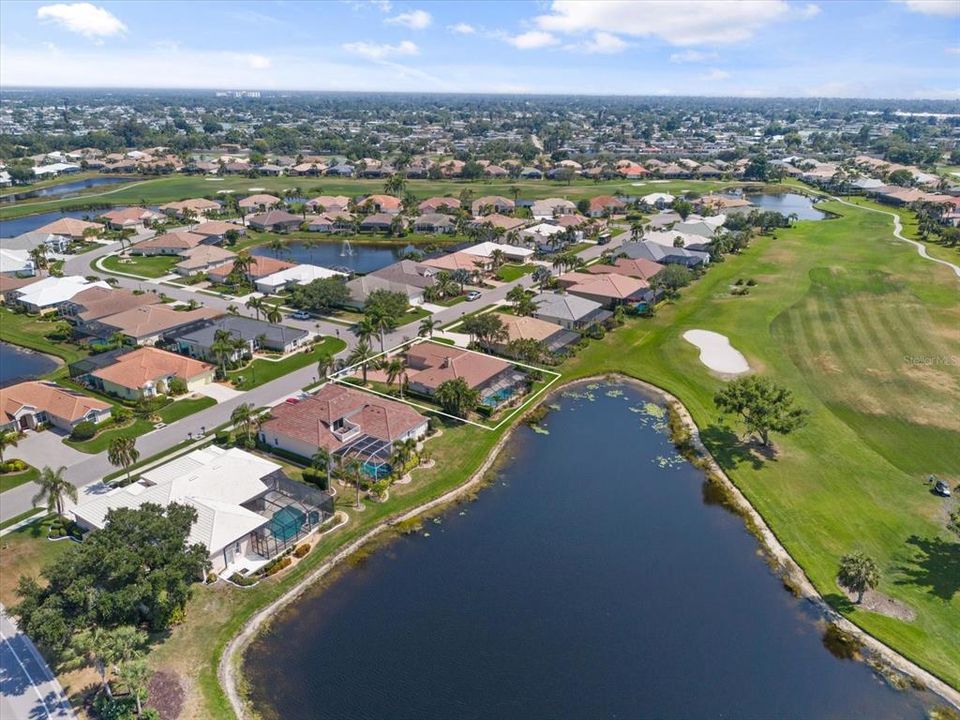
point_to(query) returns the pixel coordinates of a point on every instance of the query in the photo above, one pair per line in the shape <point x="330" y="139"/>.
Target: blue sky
<point x="830" y="48"/>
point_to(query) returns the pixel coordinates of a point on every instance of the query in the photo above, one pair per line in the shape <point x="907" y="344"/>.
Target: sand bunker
<point x="717" y="353"/>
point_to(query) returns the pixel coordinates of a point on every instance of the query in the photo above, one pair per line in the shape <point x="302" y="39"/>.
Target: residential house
<point x="630" y="267"/>
<point x="378" y="222"/>
<point x="603" y="205"/>
<point x="437" y="223"/>
<point x="215" y="231"/>
<point x="448" y="205"/>
<point x="275" y="221"/>
<point x="431" y="364"/>
<point x="329" y="203"/>
<point x="202" y="258"/>
<point x="341" y="170"/>
<point x="197" y="207"/>
<point x="260" y="267"/>
<point x="664" y="254"/>
<point x="552" y="207"/>
<point x="10" y="284"/>
<point x="490" y="204"/>
<point x="570" y="311"/>
<point x="476" y="265"/>
<point x="94" y="303"/>
<point x="609" y="289"/>
<point x="50" y="293"/>
<point x="406" y="276"/>
<point x="130" y="218"/>
<point x="147" y="372"/>
<point x="296" y="275"/>
<point x="26" y="405"/>
<point x="513" y="253"/>
<point x="531" y="173"/>
<point x="658" y="200"/>
<point x="498" y="224"/>
<point x="147" y="324"/>
<point x="382" y="204"/>
<point x="238" y="498"/>
<point x="553" y="338"/>
<point x="197" y="340"/>
<point x="176" y="242"/>
<point x="71" y="228"/>
<point x="542" y="233"/>
<point x="261" y="202"/>
<point x="16" y="262"/>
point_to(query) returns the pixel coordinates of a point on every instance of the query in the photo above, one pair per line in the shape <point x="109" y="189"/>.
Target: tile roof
<point x="69" y="226"/>
<point x="527" y="328"/>
<point x="260" y="267"/>
<point x="631" y="267"/>
<point x="47" y="397"/>
<point x="257" y="200"/>
<point x="147" y="364"/>
<point x="432" y="364"/>
<point x="97" y="302"/>
<point x="148" y="320"/>
<point x="614" y="286"/>
<point x="175" y="240"/>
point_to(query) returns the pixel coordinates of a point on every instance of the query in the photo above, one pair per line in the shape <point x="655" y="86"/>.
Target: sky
<point x="753" y="48"/>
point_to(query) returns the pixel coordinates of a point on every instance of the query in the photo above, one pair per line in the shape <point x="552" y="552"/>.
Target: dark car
<point x="941" y="489"/>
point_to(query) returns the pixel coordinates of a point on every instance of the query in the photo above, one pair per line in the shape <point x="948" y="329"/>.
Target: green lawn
<point x="509" y="273"/>
<point x="30" y="331"/>
<point x="148" y="266"/>
<point x="25" y="552"/>
<point x="182" y="408"/>
<point x="18" y="518"/>
<point x="261" y="371"/>
<point x="179" y="187"/>
<point x="9" y="481"/>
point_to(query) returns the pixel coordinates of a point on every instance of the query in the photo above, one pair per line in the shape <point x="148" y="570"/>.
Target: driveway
<point x="28" y="688"/>
<point x="46" y="448"/>
<point x="220" y="393"/>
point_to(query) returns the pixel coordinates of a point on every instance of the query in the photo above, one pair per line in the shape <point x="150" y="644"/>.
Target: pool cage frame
<point x="316" y="507"/>
<point x="373" y="453"/>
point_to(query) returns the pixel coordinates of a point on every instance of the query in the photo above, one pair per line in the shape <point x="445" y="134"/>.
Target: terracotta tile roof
<point x="527" y="328"/>
<point x="49" y="397"/>
<point x="148" y="320"/>
<point x="458" y="261"/>
<point x="310" y="419"/>
<point x="176" y="240"/>
<point x="330" y="202"/>
<point x="385" y="202"/>
<point x="432" y="364"/>
<point x="260" y="267"/>
<point x="129" y="216"/>
<point x="147" y="364"/>
<point x="216" y="227"/>
<point x="203" y="256"/>
<point x="9" y="282"/>
<point x="195" y="204"/>
<point x="257" y="200"/>
<point x="434" y="203"/>
<point x="612" y="286"/>
<point x="602" y="202"/>
<point x="71" y="227"/>
<point x="96" y="302"/>
<point x="630" y="267"/>
<point x="504" y="222"/>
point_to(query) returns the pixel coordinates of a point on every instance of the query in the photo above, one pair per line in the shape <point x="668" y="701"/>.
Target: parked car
<point x="941" y="489"/>
<point x="473" y="295"/>
<point x="300" y="315"/>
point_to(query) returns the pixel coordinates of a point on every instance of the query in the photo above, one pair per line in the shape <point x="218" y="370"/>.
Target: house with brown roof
<point x="489" y="204"/>
<point x="202" y="258"/>
<point x="631" y="267"/>
<point x="71" y="228"/>
<point x="147" y="372"/>
<point x="10" y="284"/>
<point x="131" y="218"/>
<point x="26" y="405"/>
<point x="89" y="305"/>
<point x="275" y="221"/>
<point x="605" y="205"/>
<point x="147" y="324"/>
<point x="504" y="223"/>
<point x="215" y="231"/>
<point x="430" y="364"/>
<point x="196" y="207"/>
<point x="609" y="290"/>
<point x="447" y="205"/>
<point x="260" y="267"/>
<point x="329" y="203"/>
<point x="176" y="242"/>
<point x="550" y="336"/>
<point x="343" y="421"/>
<point x="451" y="262"/>
<point x="386" y="204"/>
<point x="378" y="222"/>
<point x="259" y="202"/>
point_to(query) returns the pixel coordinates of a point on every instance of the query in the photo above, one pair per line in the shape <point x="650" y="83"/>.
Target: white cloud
<point x="603" y="43"/>
<point x="257" y="62"/>
<point x="692" y="56"/>
<point x="810" y="10"/>
<point x="82" y="18"/>
<point x="943" y="8"/>
<point x="381" y="5"/>
<point x="415" y="19"/>
<point x="952" y="50"/>
<point x="717" y="74"/>
<point x="531" y="40"/>
<point x="679" y="22"/>
<point x="379" y="51"/>
<point x="462" y="28"/>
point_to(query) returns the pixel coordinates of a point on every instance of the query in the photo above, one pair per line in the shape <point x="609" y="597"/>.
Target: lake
<point x="787" y="203"/>
<point x="65" y="189"/>
<point x="16" y="364"/>
<point x="597" y="577"/>
<point x="365" y="257"/>
<point x="29" y="223"/>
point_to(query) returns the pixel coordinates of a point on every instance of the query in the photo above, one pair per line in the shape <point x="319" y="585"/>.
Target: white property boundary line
<point x="337" y="378"/>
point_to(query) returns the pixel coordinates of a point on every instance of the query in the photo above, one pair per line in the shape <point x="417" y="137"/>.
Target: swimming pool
<point x="286" y="523"/>
<point x="499" y="397"/>
<point x="376" y="472"/>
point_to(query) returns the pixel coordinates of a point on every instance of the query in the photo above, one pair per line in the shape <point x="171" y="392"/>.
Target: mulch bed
<point x="165" y="694"/>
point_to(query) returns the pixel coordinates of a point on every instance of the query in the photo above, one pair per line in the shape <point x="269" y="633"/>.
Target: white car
<point x="473" y="295"/>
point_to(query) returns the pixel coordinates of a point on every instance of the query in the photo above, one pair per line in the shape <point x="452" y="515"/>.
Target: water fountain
<point x="346" y="250"/>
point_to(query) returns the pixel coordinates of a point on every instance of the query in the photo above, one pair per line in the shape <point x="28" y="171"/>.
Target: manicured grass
<point x="25" y="552"/>
<point x="182" y="408"/>
<point x="261" y="371"/>
<point x="179" y="187"/>
<point x="509" y="273"/>
<point x="17" y="518"/>
<point x="413" y="315"/>
<point x="148" y="266"/>
<point x="8" y="481"/>
<point x="30" y="331"/>
<point x="450" y="302"/>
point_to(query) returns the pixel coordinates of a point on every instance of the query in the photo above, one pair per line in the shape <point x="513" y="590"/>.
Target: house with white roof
<point x="16" y="262"/>
<point x="541" y="233"/>
<point x="248" y="511"/>
<point x="50" y="293"/>
<point x="658" y="200"/>
<point x="296" y="275"/>
<point x="511" y="252"/>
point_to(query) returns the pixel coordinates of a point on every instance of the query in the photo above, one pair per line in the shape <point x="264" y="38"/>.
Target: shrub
<point x="276" y="565"/>
<point x="83" y="431"/>
<point x="13" y="465"/>
<point x="242" y="580"/>
<point x="316" y="477"/>
<point x="301" y="550"/>
<point x="211" y="577"/>
<point x="177" y="386"/>
<point x="121" y="415"/>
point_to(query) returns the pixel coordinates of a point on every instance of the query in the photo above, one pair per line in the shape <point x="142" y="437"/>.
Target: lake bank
<point x="228" y="665"/>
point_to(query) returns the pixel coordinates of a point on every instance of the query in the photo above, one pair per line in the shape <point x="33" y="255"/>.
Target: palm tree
<point x="255" y="304"/>
<point x="242" y="263"/>
<point x="361" y="355"/>
<point x="636" y="231"/>
<point x="39" y="257"/>
<point x="322" y="460"/>
<point x="427" y="326"/>
<point x="456" y="397"/>
<point x="396" y="370"/>
<point x="382" y="321"/>
<point x="233" y="310"/>
<point x="118" y="339"/>
<point x="122" y="452"/>
<point x="222" y="348"/>
<point x="242" y="418"/>
<point x="497" y="259"/>
<point x="7" y="440"/>
<point x="365" y="329"/>
<point x="273" y="313"/>
<point x="106" y="648"/>
<point x="277" y="245"/>
<point x="325" y="365"/>
<point x="135" y="674"/>
<point x="53" y="489"/>
<point x="858" y="572"/>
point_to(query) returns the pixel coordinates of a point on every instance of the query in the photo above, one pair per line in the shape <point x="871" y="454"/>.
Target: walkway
<point x="898" y="234"/>
<point x="28" y="688"/>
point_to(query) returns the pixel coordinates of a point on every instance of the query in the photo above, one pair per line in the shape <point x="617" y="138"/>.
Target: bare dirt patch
<point x="877" y="602"/>
<point x="165" y="693"/>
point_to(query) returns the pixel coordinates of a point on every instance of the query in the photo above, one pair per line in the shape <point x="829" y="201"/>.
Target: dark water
<point x="29" y="223"/>
<point x="64" y="189"/>
<point x="787" y="203"/>
<point x="330" y="253"/>
<point x="592" y="580"/>
<point x="18" y="364"/>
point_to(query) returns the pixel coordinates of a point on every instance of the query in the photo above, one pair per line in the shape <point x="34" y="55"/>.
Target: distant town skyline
<point x="760" y="48"/>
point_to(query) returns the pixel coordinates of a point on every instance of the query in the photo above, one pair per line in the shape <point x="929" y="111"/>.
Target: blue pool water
<point x="500" y="396"/>
<point x="286" y="523"/>
<point x="372" y="471"/>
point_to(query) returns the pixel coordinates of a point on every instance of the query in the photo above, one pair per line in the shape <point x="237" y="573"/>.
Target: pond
<point x="598" y="576"/>
<point x="18" y="364"/>
<point x="787" y="203"/>
<point x="64" y="189"/>
<point x="29" y="223"/>
<point x="333" y="253"/>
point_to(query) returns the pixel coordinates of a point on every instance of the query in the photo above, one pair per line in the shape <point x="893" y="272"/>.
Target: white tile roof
<point x="54" y="290"/>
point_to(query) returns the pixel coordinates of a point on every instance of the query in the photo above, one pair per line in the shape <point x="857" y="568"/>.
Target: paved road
<point x="93" y="468"/>
<point x="28" y="688"/>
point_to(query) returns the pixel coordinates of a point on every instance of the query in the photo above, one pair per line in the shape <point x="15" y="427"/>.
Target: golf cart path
<point x="898" y="233"/>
